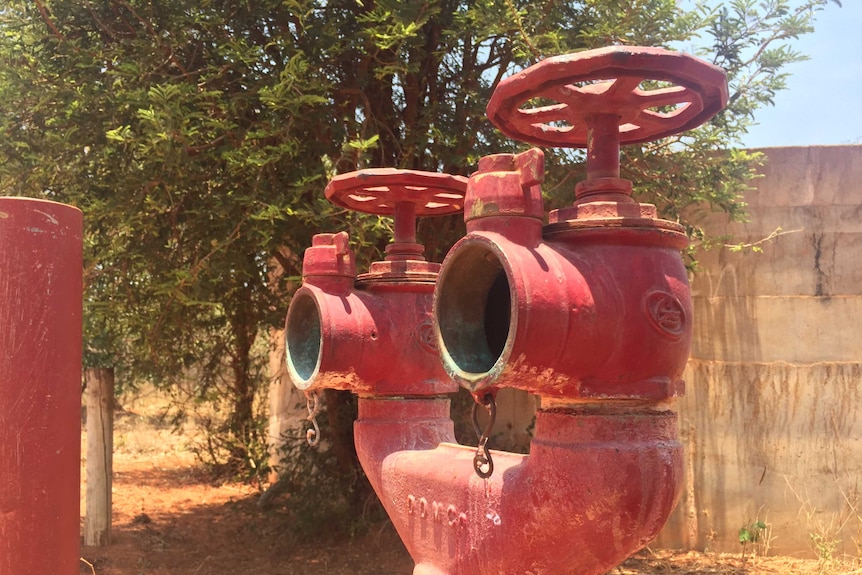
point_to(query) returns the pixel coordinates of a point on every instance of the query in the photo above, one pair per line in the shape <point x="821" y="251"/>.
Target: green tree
<point x="197" y="136"/>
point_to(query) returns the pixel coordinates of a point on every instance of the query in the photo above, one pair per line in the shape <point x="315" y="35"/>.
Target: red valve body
<point x="371" y="336"/>
<point x="589" y="313"/>
<point x="377" y="340"/>
<point x="594" y="315"/>
<point x="598" y="308"/>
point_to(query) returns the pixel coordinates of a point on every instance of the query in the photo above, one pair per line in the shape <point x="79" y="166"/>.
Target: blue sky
<point x="823" y="100"/>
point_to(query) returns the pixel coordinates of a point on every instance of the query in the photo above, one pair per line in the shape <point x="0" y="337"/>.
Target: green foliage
<point x="327" y="494"/>
<point x="755" y="535"/>
<point x="197" y="137"/>
<point x="751" y="533"/>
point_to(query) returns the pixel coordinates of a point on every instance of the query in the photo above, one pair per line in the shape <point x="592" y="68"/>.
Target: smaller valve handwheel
<point x="380" y="190"/>
<point x="402" y="194"/>
<point x="648" y="93"/>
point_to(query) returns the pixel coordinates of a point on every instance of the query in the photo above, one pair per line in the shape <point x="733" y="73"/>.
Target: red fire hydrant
<point x="591" y="312"/>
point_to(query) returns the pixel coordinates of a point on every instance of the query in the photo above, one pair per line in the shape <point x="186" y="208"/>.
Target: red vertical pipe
<point x="40" y="387"/>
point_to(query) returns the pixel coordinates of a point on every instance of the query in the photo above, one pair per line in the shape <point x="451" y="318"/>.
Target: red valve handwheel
<point x="611" y="80"/>
<point x="380" y="190"/>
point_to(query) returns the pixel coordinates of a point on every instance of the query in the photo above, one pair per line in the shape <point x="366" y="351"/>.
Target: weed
<point x="756" y="535"/>
<point x="827" y="532"/>
<point x="824" y="547"/>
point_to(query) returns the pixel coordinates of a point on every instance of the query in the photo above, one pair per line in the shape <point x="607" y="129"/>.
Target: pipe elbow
<point x="597" y="486"/>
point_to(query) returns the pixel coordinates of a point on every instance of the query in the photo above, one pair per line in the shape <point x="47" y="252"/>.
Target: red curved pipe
<point x="597" y="486"/>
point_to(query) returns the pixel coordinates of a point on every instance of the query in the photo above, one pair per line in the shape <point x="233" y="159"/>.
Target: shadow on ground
<point x="235" y="538"/>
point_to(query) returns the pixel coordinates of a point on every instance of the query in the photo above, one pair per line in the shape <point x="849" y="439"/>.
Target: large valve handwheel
<point x="649" y="93"/>
<point x="384" y="191"/>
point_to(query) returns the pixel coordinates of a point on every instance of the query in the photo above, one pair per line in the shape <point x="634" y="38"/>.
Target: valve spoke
<point x="624" y="85"/>
<point x="542" y="115"/>
<point x="567" y="94"/>
<point x="648" y="119"/>
<point x="652" y="120"/>
<point x="549" y="119"/>
<point x="672" y="96"/>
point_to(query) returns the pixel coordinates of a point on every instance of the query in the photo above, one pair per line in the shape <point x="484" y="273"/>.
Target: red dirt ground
<point x="170" y="519"/>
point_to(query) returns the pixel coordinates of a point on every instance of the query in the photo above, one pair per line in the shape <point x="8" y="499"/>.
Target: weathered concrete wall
<point x="772" y="418"/>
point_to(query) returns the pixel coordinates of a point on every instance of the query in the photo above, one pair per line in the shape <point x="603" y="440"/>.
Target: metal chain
<point x="312" y="402"/>
<point x="482" y="462"/>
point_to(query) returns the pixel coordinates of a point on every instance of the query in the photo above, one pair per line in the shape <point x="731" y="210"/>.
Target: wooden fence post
<point x="100" y="449"/>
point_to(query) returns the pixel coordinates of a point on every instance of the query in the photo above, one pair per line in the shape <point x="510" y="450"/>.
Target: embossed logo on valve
<point x="666" y="314"/>
<point x="425" y="335"/>
<point x="439" y="511"/>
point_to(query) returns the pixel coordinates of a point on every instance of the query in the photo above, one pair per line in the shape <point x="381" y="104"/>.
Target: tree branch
<point x="46" y="17"/>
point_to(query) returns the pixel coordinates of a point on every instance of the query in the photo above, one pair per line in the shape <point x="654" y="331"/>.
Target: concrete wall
<point x="772" y="419"/>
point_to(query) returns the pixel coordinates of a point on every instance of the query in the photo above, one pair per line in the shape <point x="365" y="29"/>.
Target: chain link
<point x="482" y="462"/>
<point x="312" y="403"/>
